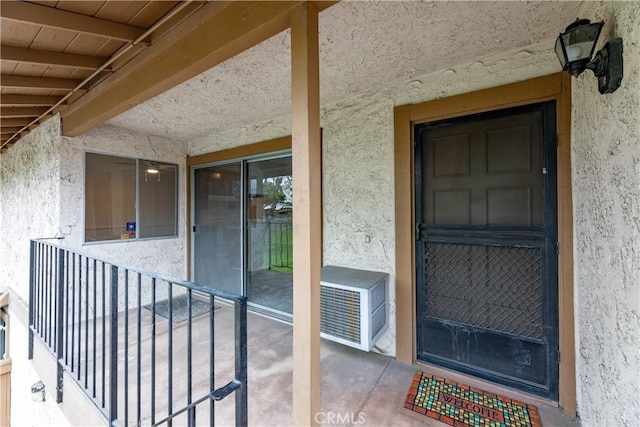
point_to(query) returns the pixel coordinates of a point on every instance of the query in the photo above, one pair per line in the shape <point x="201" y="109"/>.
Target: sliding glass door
<point x="270" y="234"/>
<point x="242" y="230"/>
<point x="217" y="227"/>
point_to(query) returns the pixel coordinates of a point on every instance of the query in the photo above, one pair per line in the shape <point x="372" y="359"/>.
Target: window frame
<point x="137" y="237"/>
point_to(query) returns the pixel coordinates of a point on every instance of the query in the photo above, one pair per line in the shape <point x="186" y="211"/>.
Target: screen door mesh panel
<point x="486" y="286"/>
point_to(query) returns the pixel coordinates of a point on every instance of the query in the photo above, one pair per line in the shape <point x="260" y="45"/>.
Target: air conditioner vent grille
<point x="340" y="313"/>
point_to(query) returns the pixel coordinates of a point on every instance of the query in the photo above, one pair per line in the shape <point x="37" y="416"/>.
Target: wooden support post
<point x="307" y="238"/>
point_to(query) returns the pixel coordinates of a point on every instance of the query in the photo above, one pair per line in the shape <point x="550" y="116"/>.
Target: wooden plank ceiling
<point x="54" y="52"/>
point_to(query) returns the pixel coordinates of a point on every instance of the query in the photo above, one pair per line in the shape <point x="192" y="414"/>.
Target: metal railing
<point x="280" y="243"/>
<point x="119" y="333"/>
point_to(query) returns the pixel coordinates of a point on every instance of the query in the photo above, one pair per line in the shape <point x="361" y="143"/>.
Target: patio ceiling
<point x="364" y="46"/>
<point x="90" y="60"/>
<point x="53" y="52"/>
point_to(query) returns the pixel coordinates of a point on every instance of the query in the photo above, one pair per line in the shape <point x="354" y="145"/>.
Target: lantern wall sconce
<point x="575" y="49"/>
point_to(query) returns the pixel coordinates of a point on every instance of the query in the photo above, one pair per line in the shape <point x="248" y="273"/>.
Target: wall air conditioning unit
<point x="353" y="306"/>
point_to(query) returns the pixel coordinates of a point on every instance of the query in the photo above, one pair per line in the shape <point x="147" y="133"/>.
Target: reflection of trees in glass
<point x="277" y="189"/>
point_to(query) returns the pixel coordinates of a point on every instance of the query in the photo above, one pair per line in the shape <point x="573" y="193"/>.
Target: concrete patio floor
<point x="358" y="388"/>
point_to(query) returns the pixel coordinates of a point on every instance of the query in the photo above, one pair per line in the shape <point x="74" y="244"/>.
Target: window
<point x="129" y="198"/>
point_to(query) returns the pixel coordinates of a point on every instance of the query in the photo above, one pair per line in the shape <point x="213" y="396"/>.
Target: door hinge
<point x="194" y="229"/>
<point x="558" y="356"/>
<point x="557" y="248"/>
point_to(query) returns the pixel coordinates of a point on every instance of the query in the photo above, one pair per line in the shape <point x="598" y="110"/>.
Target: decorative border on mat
<point x="461" y="405"/>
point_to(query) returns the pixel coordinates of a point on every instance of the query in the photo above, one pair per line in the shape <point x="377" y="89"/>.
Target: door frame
<point x="554" y="87"/>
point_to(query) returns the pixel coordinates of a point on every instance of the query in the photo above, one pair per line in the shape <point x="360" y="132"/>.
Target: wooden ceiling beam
<point x="29" y="82"/>
<point x="29" y="100"/>
<point x="54" y="59"/>
<point x="10" y="130"/>
<point x="14" y="122"/>
<point x="210" y="36"/>
<point x="17" y="112"/>
<point x="64" y="20"/>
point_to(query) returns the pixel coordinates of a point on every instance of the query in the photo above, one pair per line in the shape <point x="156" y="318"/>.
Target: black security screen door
<point x="486" y="246"/>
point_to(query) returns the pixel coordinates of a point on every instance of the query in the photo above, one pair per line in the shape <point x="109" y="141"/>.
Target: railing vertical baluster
<point x="269" y="233"/>
<point x="153" y="350"/>
<point x="241" y="361"/>
<point x="79" y="316"/>
<point x="139" y="354"/>
<point x="36" y="288"/>
<point x="53" y="316"/>
<point x="43" y="267"/>
<point x="126" y="347"/>
<point x="212" y="360"/>
<point x="53" y="301"/>
<point x="45" y="291"/>
<point x="52" y="295"/>
<point x="86" y="325"/>
<point x="170" y="354"/>
<point x="73" y="309"/>
<point x="285" y="245"/>
<point x="66" y="309"/>
<point x="59" y="323"/>
<point x="282" y="246"/>
<point x="113" y="346"/>
<point x="49" y="295"/>
<point x="95" y="324"/>
<point x="32" y="275"/>
<point x="104" y="334"/>
<point x="191" y="416"/>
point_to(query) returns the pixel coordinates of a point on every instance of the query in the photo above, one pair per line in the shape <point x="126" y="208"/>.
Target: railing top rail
<point x="187" y="284"/>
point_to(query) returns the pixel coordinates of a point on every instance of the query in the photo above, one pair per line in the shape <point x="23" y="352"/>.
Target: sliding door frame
<point x="243" y="154"/>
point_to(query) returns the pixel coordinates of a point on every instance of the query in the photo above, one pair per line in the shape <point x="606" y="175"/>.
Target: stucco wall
<point x="164" y="256"/>
<point x="41" y="191"/>
<point x="606" y="197"/>
<point x="358" y="195"/>
<point x="29" y="201"/>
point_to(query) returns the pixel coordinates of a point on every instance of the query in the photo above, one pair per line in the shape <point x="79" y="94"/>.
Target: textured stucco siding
<point x="29" y="201"/>
<point x="42" y="195"/>
<point x="606" y="197"/>
<point x="358" y="175"/>
<point x="165" y="256"/>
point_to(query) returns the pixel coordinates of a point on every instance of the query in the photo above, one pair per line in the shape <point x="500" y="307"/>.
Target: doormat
<point x="180" y="308"/>
<point x="461" y="405"/>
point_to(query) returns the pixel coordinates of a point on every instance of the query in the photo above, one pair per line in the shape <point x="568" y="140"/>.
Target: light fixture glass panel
<point x="580" y="41"/>
<point x="560" y="52"/>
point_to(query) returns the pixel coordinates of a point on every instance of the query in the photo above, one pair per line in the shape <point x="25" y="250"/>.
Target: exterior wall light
<point x="575" y="49"/>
